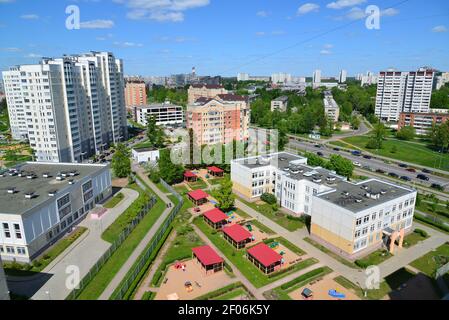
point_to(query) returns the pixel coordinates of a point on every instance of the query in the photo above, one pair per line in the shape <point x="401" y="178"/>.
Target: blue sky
<point x="162" y="37"/>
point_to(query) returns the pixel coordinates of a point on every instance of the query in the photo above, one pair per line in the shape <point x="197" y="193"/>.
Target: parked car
<point x="405" y="178"/>
<point x="380" y="171"/>
<point x="356" y="153"/>
<point x="357" y="164"/>
<point x="426" y="170"/>
<point x="437" y="186"/>
<point x="336" y="149"/>
<point x="403" y="165"/>
<point x="411" y="170"/>
<point x="393" y="174"/>
<point x="367" y="156"/>
<point x="422" y="177"/>
<point x="320" y="154"/>
<point x="317" y="146"/>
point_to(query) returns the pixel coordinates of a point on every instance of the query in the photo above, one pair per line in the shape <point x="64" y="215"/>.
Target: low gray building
<point x="40" y="202"/>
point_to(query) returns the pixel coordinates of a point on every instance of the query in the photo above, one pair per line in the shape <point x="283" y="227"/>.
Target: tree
<point x="155" y="133"/>
<point x="439" y="135"/>
<point x="121" y="162"/>
<point x="314" y="160"/>
<point x="377" y="136"/>
<point x="406" y="133"/>
<point x="225" y="196"/>
<point x="342" y="166"/>
<point x="268" y="198"/>
<point x="355" y="123"/>
<point x="168" y="171"/>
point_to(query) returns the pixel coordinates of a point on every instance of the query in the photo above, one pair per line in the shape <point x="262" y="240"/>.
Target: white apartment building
<point x="316" y="76"/>
<point x="281" y="78"/>
<point x="442" y="80"/>
<point x="349" y="217"/>
<point x="40" y="202"/>
<point x="165" y="114"/>
<point x="280" y="103"/>
<point x="331" y="108"/>
<point x="4" y="292"/>
<point x="242" y="77"/>
<point x="67" y="108"/>
<point x="343" y="76"/>
<point x="368" y="79"/>
<point x="403" y="92"/>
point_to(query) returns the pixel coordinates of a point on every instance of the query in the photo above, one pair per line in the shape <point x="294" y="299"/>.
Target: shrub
<point x="302" y="278"/>
<point x="268" y="198"/>
<point x="362" y="264"/>
<point x="421" y="232"/>
<point x="37" y="263"/>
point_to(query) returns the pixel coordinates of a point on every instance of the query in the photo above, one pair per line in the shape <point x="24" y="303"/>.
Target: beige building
<point x="197" y="91"/>
<point x="220" y="119"/>
<point x="135" y="93"/>
<point x="279" y="103"/>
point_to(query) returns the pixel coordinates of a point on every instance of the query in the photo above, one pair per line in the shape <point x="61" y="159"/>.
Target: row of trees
<point x="162" y="94"/>
<point x="440" y="98"/>
<point x="337" y="163"/>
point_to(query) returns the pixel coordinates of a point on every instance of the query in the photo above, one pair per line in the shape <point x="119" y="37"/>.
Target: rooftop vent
<point x="358" y="200"/>
<point x="345" y="193"/>
<point x="365" y="187"/>
<point x="372" y="195"/>
<point x="286" y="169"/>
<point x="308" y="174"/>
<point x="64" y="174"/>
<point x="31" y="176"/>
<point x="330" y="178"/>
<point x="383" y="191"/>
<point x="317" y="180"/>
<point x="282" y="158"/>
<point x="73" y="173"/>
<point x="21" y="174"/>
<point x="12" y="172"/>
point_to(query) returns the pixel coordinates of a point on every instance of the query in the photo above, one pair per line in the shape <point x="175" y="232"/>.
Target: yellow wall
<point x="244" y="191"/>
<point x="333" y="239"/>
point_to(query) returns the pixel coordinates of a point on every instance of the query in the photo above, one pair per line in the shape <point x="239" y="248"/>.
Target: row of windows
<point x="7" y="231"/>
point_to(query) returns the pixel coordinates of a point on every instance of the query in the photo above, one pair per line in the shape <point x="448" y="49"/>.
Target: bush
<point x="302" y="278"/>
<point x="268" y="198"/>
<point x="362" y="264"/>
<point x="37" y="263"/>
<point x="421" y="232"/>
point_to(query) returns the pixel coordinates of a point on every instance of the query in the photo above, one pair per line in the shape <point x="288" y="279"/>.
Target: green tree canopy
<point x="224" y="195"/>
<point x="121" y="162"/>
<point x="406" y="133"/>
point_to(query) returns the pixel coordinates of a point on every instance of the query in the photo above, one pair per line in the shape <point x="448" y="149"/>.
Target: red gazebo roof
<point x="215" y="215"/>
<point x="264" y="254"/>
<point x="237" y="233"/>
<point x="189" y="174"/>
<point x="207" y="255"/>
<point x="215" y="169"/>
<point x="198" y="194"/>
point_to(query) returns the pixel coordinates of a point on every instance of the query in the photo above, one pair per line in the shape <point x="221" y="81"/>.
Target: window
<point x="357" y="234"/>
<point x="10" y="250"/>
<point x="364" y="230"/>
<point x="21" y="250"/>
<point x="358" y="222"/>
<point x="63" y="201"/>
<point x="366" y="219"/>
<point x="373" y="217"/>
<point x="87" y="186"/>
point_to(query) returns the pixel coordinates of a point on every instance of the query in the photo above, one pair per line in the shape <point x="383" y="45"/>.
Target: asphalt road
<point x="373" y="164"/>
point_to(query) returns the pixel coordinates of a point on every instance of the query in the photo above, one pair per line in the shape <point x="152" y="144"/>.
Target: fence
<point x="104" y="258"/>
<point x="440" y="280"/>
<point x="126" y="284"/>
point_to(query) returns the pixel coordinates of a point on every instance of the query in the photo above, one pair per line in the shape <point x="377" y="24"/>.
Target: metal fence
<point x="104" y="258"/>
<point x="126" y="284"/>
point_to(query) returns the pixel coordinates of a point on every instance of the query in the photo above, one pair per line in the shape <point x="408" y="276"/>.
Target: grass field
<point x="441" y="211"/>
<point x="283" y="219"/>
<point x="405" y="151"/>
<point x="331" y="253"/>
<point x="374" y="258"/>
<point x="114" y="201"/>
<point x="199" y="184"/>
<point x="413" y="238"/>
<point x="431" y="261"/>
<point x="237" y="257"/>
<point x="228" y="292"/>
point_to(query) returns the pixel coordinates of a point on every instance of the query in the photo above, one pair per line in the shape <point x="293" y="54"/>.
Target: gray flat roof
<point x="16" y="203"/>
<point x="281" y="98"/>
<point x="364" y="195"/>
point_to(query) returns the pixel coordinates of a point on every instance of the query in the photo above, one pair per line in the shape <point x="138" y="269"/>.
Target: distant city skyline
<point x="255" y="37"/>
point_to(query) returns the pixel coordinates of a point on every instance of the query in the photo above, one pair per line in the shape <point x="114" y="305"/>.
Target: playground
<point x="324" y="288"/>
<point x="289" y="257"/>
<point x="187" y="281"/>
<point x="258" y="234"/>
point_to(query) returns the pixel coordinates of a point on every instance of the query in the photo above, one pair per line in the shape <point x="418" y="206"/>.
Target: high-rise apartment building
<point x="221" y="119"/>
<point x="135" y="92"/>
<point x="242" y="77"/>
<point x="166" y="114"/>
<point x="442" y="80"/>
<point x="403" y="92"/>
<point x="317" y="76"/>
<point x="343" y="76"/>
<point x="281" y="78"/>
<point x="68" y="108"/>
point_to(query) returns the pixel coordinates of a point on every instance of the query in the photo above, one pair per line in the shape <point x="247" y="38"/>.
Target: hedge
<point x="302" y="278"/>
<point x="221" y="291"/>
<point x="432" y="223"/>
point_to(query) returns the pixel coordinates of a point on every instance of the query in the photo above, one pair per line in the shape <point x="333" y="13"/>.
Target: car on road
<point x="422" y="177"/>
<point x="426" y="170"/>
<point x="403" y="165"/>
<point x="405" y="178"/>
<point x="320" y="154"/>
<point x="367" y="157"/>
<point x="357" y="164"/>
<point x="437" y="186"/>
<point x="380" y="171"/>
<point x="356" y="153"/>
<point x="411" y="170"/>
<point x="393" y="174"/>
<point x="317" y="146"/>
<point x="336" y="149"/>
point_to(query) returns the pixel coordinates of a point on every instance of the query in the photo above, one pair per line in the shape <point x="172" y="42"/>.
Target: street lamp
<point x="48" y="294"/>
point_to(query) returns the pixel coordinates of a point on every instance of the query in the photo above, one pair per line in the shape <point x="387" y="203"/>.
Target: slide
<point x="335" y="294"/>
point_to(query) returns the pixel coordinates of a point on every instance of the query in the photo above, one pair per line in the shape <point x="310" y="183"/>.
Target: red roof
<point x="207" y="255"/>
<point x="237" y="233"/>
<point x="215" y="215"/>
<point x="198" y="194"/>
<point x="215" y="169"/>
<point x="189" y="174"/>
<point x="264" y="254"/>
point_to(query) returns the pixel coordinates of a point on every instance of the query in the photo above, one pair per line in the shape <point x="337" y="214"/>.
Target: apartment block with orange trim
<point x="220" y="119"/>
<point x="197" y="91"/>
<point x="135" y="93"/>
<point x="351" y="219"/>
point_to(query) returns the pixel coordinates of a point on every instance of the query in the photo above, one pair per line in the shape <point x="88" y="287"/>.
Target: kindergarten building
<point x="352" y="219"/>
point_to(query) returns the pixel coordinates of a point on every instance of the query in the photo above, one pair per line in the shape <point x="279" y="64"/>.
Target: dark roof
<point x="264" y="254"/>
<point x="203" y="100"/>
<point x="231" y="97"/>
<point x="215" y="215"/>
<point x="208" y="86"/>
<point x="207" y="255"/>
<point x="237" y="233"/>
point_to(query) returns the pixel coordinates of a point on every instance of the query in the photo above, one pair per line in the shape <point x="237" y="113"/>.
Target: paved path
<point x="120" y="275"/>
<point x="83" y="253"/>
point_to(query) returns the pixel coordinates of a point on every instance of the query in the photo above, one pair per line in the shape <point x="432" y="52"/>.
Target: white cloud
<point x="308" y="7"/>
<point x="160" y="10"/>
<point x="389" y="12"/>
<point x="439" y="29"/>
<point x="355" y="14"/>
<point x="128" y="44"/>
<point x="262" y="14"/>
<point x="10" y="49"/>
<point x="260" y="34"/>
<point x="325" y="52"/>
<point x="97" y="24"/>
<point x="29" y="17"/>
<point x="328" y="46"/>
<point x="340" y="4"/>
<point x="33" y="55"/>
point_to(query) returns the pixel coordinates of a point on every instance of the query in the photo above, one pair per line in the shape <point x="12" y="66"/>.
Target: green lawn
<point x="374" y="258"/>
<point x="441" y="211"/>
<point x="413" y="238"/>
<point x="405" y="151"/>
<point x="331" y="253"/>
<point x="282" y="292"/>
<point x="181" y="189"/>
<point x="52" y="253"/>
<point x="288" y="222"/>
<point x="390" y="283"/>
<point x="215" y="181"/>
<point x="228" y="292"/>
<point x="199" y="184"/>
<point x="101" y="280"/>
<point x="114" y="201"/>
<point x="238" y="258"/>
<point x="262" y="227"/>
<point x="431" y="261"/>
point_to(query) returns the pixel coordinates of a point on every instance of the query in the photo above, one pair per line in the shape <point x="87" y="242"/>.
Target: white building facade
<point x="67" y="108"/>
<point x="145" y="155"/>
<point x="281" y="78"/>
<point x="165" y="114"/>
<point x="4" y="292"/>
<point x="403" y="92"/>
<point x="343" y="76"/>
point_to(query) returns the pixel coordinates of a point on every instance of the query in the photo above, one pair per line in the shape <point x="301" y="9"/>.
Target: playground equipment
<point x="274" y="245"/>
<point x="197" y="209"/>
<point x="335" y="294"/>
<point x="188" y="286"/>
<point x="282" y="253"/>
<point x="250" y="227"/>
<point x="307" y="293"/>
